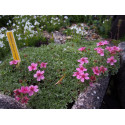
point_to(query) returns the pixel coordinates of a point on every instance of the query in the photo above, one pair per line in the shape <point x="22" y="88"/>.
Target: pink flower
<point x="32" y="67"/>
<point x="77" y="74"/>
<point x="17" y="98"/>
<point x="39" y="75"/>
<point x="113" y="49"/>
<point x="100" y="51"/>
<point x="17" y="92"/>
<point x="84" y="76"/>
<point x="111" y="60"/>
<point x="91" y="84"/>
<point x="93" y="78"/>
<point x="24" y="89"/>
<point x="82" y="49"/>
<point x="102" y="43"/>
<point x="81" y="69"/>
<point x="33" y="89"/>
<point x="24" y="100"/>
<point x="83" y="60"/>
<point x="43" y="65"/>
<point x="96" y="70"/>
<point x="108" y="48"/>
<point x="14" y="62"/>
<point x="102" y="69"/>
<point x="105" y="42"/>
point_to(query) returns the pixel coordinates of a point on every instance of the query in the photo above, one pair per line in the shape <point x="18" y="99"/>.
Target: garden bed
<point x="55" y="92"/>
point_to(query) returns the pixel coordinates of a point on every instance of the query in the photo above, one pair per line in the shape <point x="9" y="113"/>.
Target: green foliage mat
<point x="61" y="59"/>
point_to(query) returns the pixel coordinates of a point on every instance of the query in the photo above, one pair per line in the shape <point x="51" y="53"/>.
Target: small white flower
<point x="82" y="24"/>
<point x="36" y="23"/>
<point x="9" y="21"/>
<point x="51" y="21"/>
<point x="66" y="17"/>
<point x="1" y="44"/>
<point x="2" y="36"/>
<point x="23" y="20"/>
<point x="19" y="38"/>
<point x="77" y="31"/>
<point x="14" y="24"/>
<point x="35" y="17"/>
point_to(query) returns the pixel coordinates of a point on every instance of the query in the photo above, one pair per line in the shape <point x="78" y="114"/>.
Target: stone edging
<point x="7" y="102"/>
<point x="93" y="96"/>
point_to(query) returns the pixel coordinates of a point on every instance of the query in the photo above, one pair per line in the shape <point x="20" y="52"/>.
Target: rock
<point x="7" y="102"/>
<point x="93" y="96"/>
<point x="83" y="29"/>
<point x="95" y="36"/>
<point x="47" y="35"/>
<point x="62" y="29"/>
<point x="119" y="78"/>
<point x="122" y="54"/>
<point x="59" y="37"/>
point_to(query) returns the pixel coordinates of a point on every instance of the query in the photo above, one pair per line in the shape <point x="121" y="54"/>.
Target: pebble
<point x="97" y="97"/>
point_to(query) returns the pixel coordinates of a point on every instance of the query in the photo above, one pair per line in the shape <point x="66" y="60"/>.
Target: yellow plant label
<point x="13" y="45"/>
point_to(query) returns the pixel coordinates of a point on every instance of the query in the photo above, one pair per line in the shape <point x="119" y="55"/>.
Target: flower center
<point x="96" y="70"/>
<point x="83" y="59"/>
<point x="111" y="60"/>
<point x="38" y="75"/>
<point x="83" y="76"/>
<point x="33" y="67"/>
<point x="32" y="89"/>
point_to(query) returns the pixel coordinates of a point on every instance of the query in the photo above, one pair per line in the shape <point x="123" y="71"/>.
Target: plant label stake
<point x="13" y="46"/>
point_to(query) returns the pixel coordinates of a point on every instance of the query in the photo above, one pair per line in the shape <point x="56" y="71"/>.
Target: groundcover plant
<point x="45" y="77"/>
<point x="33" y="82"/>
